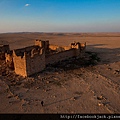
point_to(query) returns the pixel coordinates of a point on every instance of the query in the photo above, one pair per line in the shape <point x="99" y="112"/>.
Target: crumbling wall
<point x="76" y="46"/>
<point x="53" y="58"/>
<point x="83" y="46"/>
<point x="80" y="48"/>
<point x="59" y="48"/>
<point x="9" y="56"/>
<point x="20" y="63"/>
<point x="9" y="59"/>
<point x="4" y="49"/>
<point x="29" y="60"/>
<point x="33" y="59"/>
<point x="66" y="47"/>
<point x="53" y="47"/>
<point x="35" y="63"/>
<point x="43" y="44"/>
<point x="65" y="52"/>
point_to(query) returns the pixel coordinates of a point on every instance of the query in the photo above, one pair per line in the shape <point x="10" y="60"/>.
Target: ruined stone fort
<point x="33" y="59"/>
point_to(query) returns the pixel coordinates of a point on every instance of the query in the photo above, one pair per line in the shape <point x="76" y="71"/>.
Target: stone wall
<point x="67" y="47"/>
<point x="53" y="47"/>
<point x="53" y="58"/>
<point x="4" y="49"/>
<point x="9" y="59"/>
<point x="64" y="52"/>
<point x="43" y="44"/>
<point x="9" y="56"/>
<point x="20" y="64"/>
<point x="35" y="63"/>
<point x="82" y="46"/>
<point x="33" y="59"/>
<point x="29" y="60"/>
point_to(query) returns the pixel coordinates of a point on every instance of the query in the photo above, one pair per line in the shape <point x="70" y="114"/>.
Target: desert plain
<point x="87" y="85"/>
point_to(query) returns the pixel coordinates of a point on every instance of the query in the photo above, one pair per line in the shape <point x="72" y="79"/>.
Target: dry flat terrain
<point x="87" y="85"/>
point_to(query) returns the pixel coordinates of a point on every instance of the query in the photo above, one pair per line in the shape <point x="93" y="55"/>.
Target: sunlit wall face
<point x="59" y="15"/>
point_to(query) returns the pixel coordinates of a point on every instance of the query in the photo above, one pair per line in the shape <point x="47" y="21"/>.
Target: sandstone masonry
<point x="33" y="59"/>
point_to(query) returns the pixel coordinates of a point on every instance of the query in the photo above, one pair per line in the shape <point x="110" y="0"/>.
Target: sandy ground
<point x="69" y="87"/>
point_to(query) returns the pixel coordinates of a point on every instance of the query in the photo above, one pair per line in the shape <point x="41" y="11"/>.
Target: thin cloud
<point x="26" y="5"/>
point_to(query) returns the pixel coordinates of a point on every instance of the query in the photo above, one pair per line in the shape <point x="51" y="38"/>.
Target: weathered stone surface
<point x="33" y="59"/>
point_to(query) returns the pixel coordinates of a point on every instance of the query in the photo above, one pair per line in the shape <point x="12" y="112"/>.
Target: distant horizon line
<point x="56" y="32"/>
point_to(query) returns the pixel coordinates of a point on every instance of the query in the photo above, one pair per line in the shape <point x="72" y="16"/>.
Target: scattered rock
<point x="109" y="68"/>
<point x="100" y="104"/>
<point x="100" y="97"/>
<point x="55" y="78"/>
<point x="54" y="96"/>
<point x="116" y="71"/>
<point x="74" y="98"/>
<point x="45" y="78"/>
<point x="37" y="88"/>
<point x="47" y="82"/>
<point x="16" y="97"/>
<point x="39" y="77"/>
<point x="9" y="96"/>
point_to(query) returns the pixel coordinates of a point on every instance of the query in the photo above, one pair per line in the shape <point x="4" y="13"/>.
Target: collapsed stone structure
<point x="33" y="59"/>
<point x="4" y="48"/>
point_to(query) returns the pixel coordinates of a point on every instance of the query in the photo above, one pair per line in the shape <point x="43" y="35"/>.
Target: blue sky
<point x="59" y="16"/>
